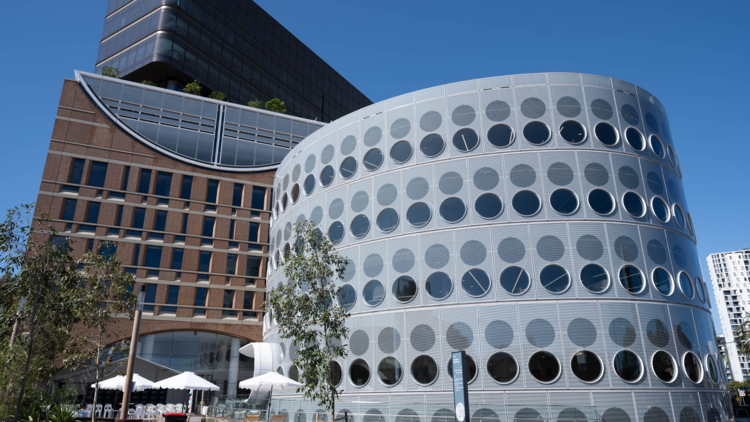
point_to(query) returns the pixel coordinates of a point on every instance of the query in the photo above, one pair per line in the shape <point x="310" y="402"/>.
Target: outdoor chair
<point x="108" y="410"/>
<point x="131" y="413"/>
<point x="151" y="411"/>
<point x="161" y="408"/>
<point x="252" y="418"/>
<point x="278" y="418"/>
<point x="178" y="408"/>
<point x="98" y="412"/>
<point x="139" y="411"/>
<point x="89" y="408"/>
<point x="169" y="408"/>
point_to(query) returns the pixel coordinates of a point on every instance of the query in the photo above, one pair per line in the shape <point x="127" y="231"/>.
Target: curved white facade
<point x="550" y="228"/>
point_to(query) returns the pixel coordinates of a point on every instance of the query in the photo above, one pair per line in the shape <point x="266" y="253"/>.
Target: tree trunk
<point x="31" y="350"/>
<point x="96" y="365"/>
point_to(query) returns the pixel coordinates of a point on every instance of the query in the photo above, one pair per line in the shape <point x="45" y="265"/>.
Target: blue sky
<point x="692" y="55"/>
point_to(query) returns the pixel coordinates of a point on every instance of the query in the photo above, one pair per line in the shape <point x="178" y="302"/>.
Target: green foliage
<point x="67" y="394"/>
<point x="255" y="104"/>
<point x="742" y="337"/>
<point x="276" y="105"/>
<point x="149" y="83"/>
<point x="193" y="88"/>
<point x="110" y="71"/>
<point x="218" y="95"/>
<point x="62" y="413"/>
<point x="307" y="313"/>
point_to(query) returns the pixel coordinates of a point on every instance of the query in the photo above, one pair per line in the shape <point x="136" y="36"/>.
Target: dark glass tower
<point x="232" y="46"/>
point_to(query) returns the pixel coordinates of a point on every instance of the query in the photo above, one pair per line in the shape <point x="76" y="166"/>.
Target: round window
<point x="373" y="159"/>
<point x="633" y="204"/>
<point x="453" y="210"/>
<point x="699" y="289"/>
<point x="662" y="281"/>
<point x="628" y="366"/>
<point x="401" y="152"/>
<point x="679" y="218"/>
<point x="606" y="134"/>
<point x="711" y="369"/>
<point x="347" y="296"/>
<point x="544" y="366"/>
<point x="432" y="145"/>
<point x="501" y="135"/>
<point x="692" y="367"/>
<point x="326" y="176"/>
<point x="424" y="370"/>
<point x="387" y="220"/>
<point x="309" y="184"/>
<point x="526" y="203"/>
<point x="360" y="226"/>
<point x="404" y="289"/>
<point x="438" y="285"/>
<point x="472" y="366"/>
<point x="554" y="278"/>
<point x="686" y="285"/>
<point x="635" y="139"/>
<point x="465" y="140"/>
<point x="656" y="146"/>
<point x="476" y="282"/>
<point x="348" y="167"/>
<point x="502" y="367"/>
<point x="294" y="373"/>
<point x="488" y="206"/>
<point x="284" y="200"/>
<point x="373" y="293"/>
<point x="515" y="280"/>
<point x="690" y="224"/>
<point x="670" y="155"/>
<point x="336" y="232"/>
<point x="573" y="132"/>
<point x="601" y="202"/>
<point x="389" y="371"/>
<point x="537" y="133"/>
<point x="280" y="370"/>
<point x="631" y="279"/>
<point x="664" y="366"/>
<point x="594" y="278"/>
<point x="587" y="366"/>
<point x="419" y="214"/>
<point x="359" y="372"/>
<point x="660" y="209"/>
<point x="295" y="192"/>
<point x="564" y="201"/>
<point x="335" y="373"/>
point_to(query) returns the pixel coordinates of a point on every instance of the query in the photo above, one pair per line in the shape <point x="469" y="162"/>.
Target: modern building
<point x="182" y="185"/>
<point x="232" y="46"/>
<point x="537" y="222"/>
<point x="721" y="342"/>
<point x="729" y="273"/>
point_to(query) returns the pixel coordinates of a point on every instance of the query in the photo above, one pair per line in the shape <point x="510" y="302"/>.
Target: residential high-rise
<point x="729" y="273"/>
<point x="232" y="46"/>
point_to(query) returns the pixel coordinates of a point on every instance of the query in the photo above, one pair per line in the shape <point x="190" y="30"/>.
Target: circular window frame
<point x="320" y="178"/>
<point x="363" y="293"/>
<point x="364" y="163"/>
<point x="342" y="372"/>
<point x="512" y="135"/>
<point x="640" y="362"/>
<point x="539" y="209"/>
<point x="666" y="206"/>
<point x="578" y="201"/>
<point x="651" y="145"/>
<point x="643" y="288"/>
<point x="689" y="224"/>
<point x="643" y="138"/>
<point x="614" y="202"/>
<point x="450" y="373"/>
<point x="479" y="140"/>
<point x="684" y="369"/>
<point x="502" y="206"/>
<point x="398" y="220"/>
<point x="671" y="281"/>
<point x="468" y="272"/>
<point x="549" y="138"/>
<point x="527" y="275"/>
<point x="643" y="203"/>
<point x="699" y="285"/>
<point x="716" y="368"/>
<point x="441" y="149"/>
<point x="617" y="142"/>
<point x="416" y="292"/>
<point x="399" y="378"/>
<point x="466" y="210"/>
<point x="437" y="375"/>
<point x="291" y="197"/>
<point x="329" y="230"/>
<point x="559" y="365"/>
<point x="518" y="368"/>
<point x="676" y="205"/>
<point x="284" y="200"/>
<point x="369" y="226"/>
<point x="411" y="154"/>
<point x="609" y="279"/>
<point x="601" y="362"/>
<point x="426" y="222"/>
<point x="350" y="373"/>
<point x="338" y="299"/>
<point x="354" y="172"/>
<point x="692" y="285"/>
<point x="570" y="283"/>
<point x="585" y="132"/>
<point x="313" y="185"/>
<point x="671" y="155"/>
<point x="450" y="292"/>
<point x="674" y="364"/>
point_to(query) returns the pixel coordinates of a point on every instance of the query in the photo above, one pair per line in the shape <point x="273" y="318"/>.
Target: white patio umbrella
<point x="117" y="383"/>
<point x="186" y="381"/>
<point x="271" y="381"/>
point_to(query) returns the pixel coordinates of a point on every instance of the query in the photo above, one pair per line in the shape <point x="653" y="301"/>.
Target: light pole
<point x="131" y="357"/>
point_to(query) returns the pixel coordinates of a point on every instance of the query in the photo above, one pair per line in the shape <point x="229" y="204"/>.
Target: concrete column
<point x="234" y="367"/>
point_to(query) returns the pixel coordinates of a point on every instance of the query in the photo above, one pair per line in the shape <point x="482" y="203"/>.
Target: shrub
<point x="110" y="71"/>
<point x="276" y="105"/>
<point x="193" y="88"/>
<point x="255" y="104"/>
<point x="149" y="83"/>
<point x="218" y="95"/>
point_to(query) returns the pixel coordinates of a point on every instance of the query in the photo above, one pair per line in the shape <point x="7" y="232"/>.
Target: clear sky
<point x="693" y="55"/>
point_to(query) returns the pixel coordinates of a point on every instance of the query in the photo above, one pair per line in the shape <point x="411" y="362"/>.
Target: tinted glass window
<point x="93" y="214"/>
<point x="404" y="289"/>
<point x="373" y="293"/>
<point x="594" y="278"/>
<point x="360" y="226"/>
<point x="213" y="189"/>
<point x="699" y="288"/>
<point x="515" y="280"/>
<point x="438" y="285"/>
<point x="573" y="132"/>
<point x="347" y="297"/>
<point x="125" y="178"/>
<point x="389" y="371"/>
<point x="231" y="263"/>
<point x="452" y="210"/>
<point x="252" y="269"/>
<point x="295" y="192"/>
<point x="713" y="373"/>
<point x="200" y="300"/>
<point x="631" y="279"/>
<point x="679" y="218"/>
<point x="387" y="220"/>
<point x="97" y="174"/>
<point x="476" y="282"/>
<point x="628" y="366"/>
<point x="661" y="211"/>
<point x="237" y="190"/>
<point x="161" y="221"/>
<point x="692" y="366"/>
<point x="502" y="367"/>
<point x="187" y="187"/>
<point x="69" y="211"/>
<point x="228" y="303"/>
<point x="309" y="184"/>
<point x="284" y="199"/>
<point x="554" y="278"/>
<point x="537" y="133"/>
<point x="686" y="285"/>
<point x="634" y="138"/>
<point x="424" y="370"/>
<point x="500" y="135"/>
<point x="153" y="257"/>
<point x="489" y="206"/>
<point x="76" y="172"/>
<point x="335" y="374"/>
<point x="258" y="200"/>
<point x="326" y="176"/>
<point x="544" y="366"/>
<point x="359" y="372"/>
<point x="601" y="202"/>
<point x="336" y="232"/>
<point x="401" y="152"/>
<point x="664" y="366"/>
<point x="373" y="159"/>
<point x="208" y="226"/>
<point x="465" y="140"/>
<point x="348" y="167"/>
<point x="139" y="214"/>
<point x="163" y="183"/>
<point x="633" y="204"/>
<point x="586" y="366"/>
<point x="205" y="262"/>
<point x="656" y="146"/>
<point x="150" y="297"/>
<point x="526" y="203"/>
<point x="145" y="181"/>
<point x="432" y="145"/>
<point x="470" y="365"/>
<point x="564" y="201"/>
<point x="606" y="134"/>
<point x="662" y="281"/>
<point x="419" y="214"/>
<point x="253" y="233"/>
<point x="670" y="155"/>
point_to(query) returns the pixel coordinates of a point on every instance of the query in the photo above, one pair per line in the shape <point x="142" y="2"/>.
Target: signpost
<point x="460" y="389"/>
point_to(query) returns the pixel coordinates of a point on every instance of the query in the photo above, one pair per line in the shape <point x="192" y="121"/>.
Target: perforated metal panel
<point x="654" y="406"/>
<point x="387" y="193"/>
<point x="540" y="331"/>
<point x="430" y="118"/>
<point x="582" y="331"/>
<point x="536" y="94"/>
<point x="460" y="331"/>
<point x="438" y="254"/>
<point x="419" y="186"/>
<point x="621" y="332"/>
<point x="615" y="407"/>
<point x="625" y="244"/>
<point x="564" y="99"/>
<point x="551" y="247"/>
<point x="402" y="261"/>
<point x="499" y="333"/>
<point x="486" y="176"/>
<point x="361" y="342"/>
<point x="658" y="335"/>
<point x="423" y="337"/>
<point x="451" y="180"/>
<point x="493" y="103"/>
<point x="601" y="107"/>
<point x="513" y="161"/>
<point x="513" y="248"/>
<point x="400" y="124"/>
<point x="560" y="171"/>
<point x="389" y="340"/>
<point x="588" y="242"/>
<point x="474" y="254"/>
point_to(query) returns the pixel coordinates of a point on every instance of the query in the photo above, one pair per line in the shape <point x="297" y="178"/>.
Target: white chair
<point x="89" y="408"/>
<point x="98" y="412"/>
<point x="151" y="411"/>
<point x="108" y="410"/>
<point x="139" y="411"/>
<point x="169" y="407"/>
<point x="178" y="408"/>
<point x="131" y="414"/>
<point x="161" y="408"/>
